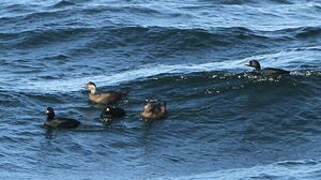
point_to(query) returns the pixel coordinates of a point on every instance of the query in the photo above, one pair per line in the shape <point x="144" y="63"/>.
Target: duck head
<point x="150" y="105"/>
<point x="50" y="113"/>
<point x="91" y="87"/>
<point x="255" y="64"/>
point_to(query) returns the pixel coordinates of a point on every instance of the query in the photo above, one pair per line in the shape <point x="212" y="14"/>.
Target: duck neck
<point x="50" y="117"/>
<point x="93" y="91"/>
<point x="258" y="68"/>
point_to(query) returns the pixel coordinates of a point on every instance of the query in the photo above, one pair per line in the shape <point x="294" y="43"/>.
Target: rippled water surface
<point x="223" y="122"/>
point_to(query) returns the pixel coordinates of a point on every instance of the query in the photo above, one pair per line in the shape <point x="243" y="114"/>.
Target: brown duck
<point x="108" y="97"/>
<point x="154" y="110"/>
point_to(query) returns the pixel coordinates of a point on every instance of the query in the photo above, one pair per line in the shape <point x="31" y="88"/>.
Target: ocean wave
<point x="112" y="37"/>
<point x="222" y="118"/>
<point x="77" y="83"/>
<point x="305" y="169"/>
<point x="62" y="4"/>
<point x="308" y="32"/>
<point x="38" y="37"/>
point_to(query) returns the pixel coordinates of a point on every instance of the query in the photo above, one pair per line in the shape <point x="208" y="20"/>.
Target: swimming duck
<point x="154" y="110"/>
<point x="255" y="64"/>
<point x="108" y="97"/>
<point x="110" y="113"/>
<point x="53" y="122"/>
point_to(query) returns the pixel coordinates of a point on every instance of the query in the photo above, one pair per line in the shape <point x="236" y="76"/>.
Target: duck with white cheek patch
<point x="109" y="97"/>
<point x="154" y="110"/>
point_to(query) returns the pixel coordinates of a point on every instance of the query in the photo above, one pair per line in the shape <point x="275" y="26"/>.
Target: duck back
<point x="274" y="71"/>
<point x="156" y="112"/>
<point x="106" y="98"/>
<point x="62" y="123"/>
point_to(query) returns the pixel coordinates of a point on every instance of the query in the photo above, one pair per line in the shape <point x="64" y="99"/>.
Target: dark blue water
<point x="223" y="123"/>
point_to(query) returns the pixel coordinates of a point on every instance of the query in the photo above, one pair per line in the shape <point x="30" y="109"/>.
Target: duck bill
<point x="247" y="64"/>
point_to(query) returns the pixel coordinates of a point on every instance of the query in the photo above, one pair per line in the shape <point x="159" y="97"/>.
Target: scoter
<point x="154" y="110"/>
<point x="111" y="112"/>
<point x="272" y="71"/>
<point x="53" y="122"/>
<point x="108" y="97"/>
